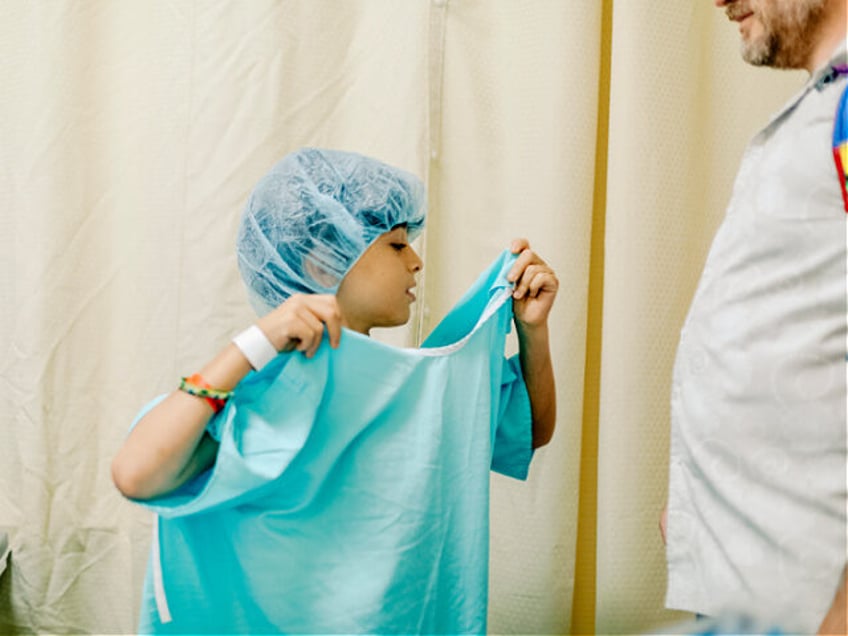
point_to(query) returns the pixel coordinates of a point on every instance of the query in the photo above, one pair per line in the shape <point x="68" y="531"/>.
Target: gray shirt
<point x="757" y="491"/>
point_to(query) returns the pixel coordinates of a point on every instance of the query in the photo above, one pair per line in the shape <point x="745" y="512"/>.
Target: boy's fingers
<point x="327" y="311"/>
<point x="334" y="330"/>
<point x="517" y="270"/>
<point x="304" y="342"/>
<point x="334" y="322"/>
<point x="544" y="279"/>
<point x="312" y="331"/>
<point x="527" y="276"/>
<point x="534" y="285"/>
<point x="299" y="322"/>
<point x="291" y="345"/>
<point x="518" y="244"/>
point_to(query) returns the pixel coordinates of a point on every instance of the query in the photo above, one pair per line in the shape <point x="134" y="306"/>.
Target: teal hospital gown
<point x="350" y="493"/>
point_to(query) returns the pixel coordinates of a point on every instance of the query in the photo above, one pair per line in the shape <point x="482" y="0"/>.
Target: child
<point x="342" y="489"/>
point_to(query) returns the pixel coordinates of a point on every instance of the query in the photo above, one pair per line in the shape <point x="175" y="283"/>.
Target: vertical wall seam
<point x="179" y="341"/>
<point x="585" y="565"/>
<point x="435" y="81"/>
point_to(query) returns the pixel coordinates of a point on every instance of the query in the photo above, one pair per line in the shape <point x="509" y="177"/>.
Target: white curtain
<point x="130" y="135"/>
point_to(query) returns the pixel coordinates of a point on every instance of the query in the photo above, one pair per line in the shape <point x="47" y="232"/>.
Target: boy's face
<point x="377" y="291"/>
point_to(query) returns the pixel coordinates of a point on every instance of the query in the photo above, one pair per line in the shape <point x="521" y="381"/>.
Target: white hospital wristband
<point x="255" y="346"/>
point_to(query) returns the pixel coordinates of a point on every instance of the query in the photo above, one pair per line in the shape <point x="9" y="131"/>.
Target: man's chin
<point x="757" y="52"/>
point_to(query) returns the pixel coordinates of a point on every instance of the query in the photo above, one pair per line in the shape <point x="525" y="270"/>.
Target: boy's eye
<point x="398" y="246"/>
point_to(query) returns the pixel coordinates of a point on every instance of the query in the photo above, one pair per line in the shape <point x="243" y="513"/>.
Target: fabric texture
<point x="350" y="490"/>
<point x="313" y="215"/>
<point x="757" y="494"/>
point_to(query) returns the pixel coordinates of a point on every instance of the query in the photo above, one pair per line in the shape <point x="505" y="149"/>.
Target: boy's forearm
<point x="167" y="447"/>
<point x="537" y="368"/>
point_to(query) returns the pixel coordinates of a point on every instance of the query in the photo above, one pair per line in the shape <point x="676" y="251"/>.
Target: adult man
<point x="757" y="489"/>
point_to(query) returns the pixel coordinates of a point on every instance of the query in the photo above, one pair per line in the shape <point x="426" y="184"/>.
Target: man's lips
<point x="739" y="16"/>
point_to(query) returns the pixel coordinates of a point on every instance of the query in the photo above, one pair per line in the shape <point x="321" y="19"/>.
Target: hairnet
<point x="313" y="215"/>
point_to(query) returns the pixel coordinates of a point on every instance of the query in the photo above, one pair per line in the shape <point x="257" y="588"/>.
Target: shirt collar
<point x="821" y="78"/>
<point x="828" y="72"/>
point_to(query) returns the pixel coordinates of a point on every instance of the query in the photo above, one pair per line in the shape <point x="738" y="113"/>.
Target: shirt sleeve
<point x="512" y="448"/>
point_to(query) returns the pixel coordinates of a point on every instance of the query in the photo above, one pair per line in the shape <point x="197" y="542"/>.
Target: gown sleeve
<point x="255" y="444"/>
<point x="512" y="448"/>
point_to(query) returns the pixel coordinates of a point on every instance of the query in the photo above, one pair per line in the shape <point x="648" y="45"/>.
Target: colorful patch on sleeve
<point x="840" y="145"/>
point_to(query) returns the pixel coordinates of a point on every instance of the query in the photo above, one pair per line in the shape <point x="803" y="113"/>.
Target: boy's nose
<point x="415" y="263"/>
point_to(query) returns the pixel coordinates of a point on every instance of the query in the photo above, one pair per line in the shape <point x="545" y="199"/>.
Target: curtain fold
<point x="516" y="159"/>
<point x="130" y="136"/>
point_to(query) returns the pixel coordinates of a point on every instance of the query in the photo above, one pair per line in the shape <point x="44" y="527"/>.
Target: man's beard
<point x="789" y="29"/>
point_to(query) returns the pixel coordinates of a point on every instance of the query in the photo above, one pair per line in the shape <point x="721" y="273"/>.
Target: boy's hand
<point x="298" y="323"/>
<point x="536" y="285"/>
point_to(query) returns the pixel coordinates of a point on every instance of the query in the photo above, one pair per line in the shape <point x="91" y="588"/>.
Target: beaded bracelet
<point x="197" y="386"/>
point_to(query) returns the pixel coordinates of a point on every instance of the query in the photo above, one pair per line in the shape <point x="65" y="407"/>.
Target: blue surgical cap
<point x="313" y="215"/>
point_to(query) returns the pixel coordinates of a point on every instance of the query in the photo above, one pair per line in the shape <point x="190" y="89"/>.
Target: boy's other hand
<point x="536" y="285"/>
<point x="298" y="323"/>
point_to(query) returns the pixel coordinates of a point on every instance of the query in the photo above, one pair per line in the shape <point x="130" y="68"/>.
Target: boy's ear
<point x="319" y="274"/>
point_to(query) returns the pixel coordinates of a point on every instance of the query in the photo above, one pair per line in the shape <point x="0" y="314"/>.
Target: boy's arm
<point x="536" y="287"/>
<point x="535" y="357"/>
<point x="168" y="446"/>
